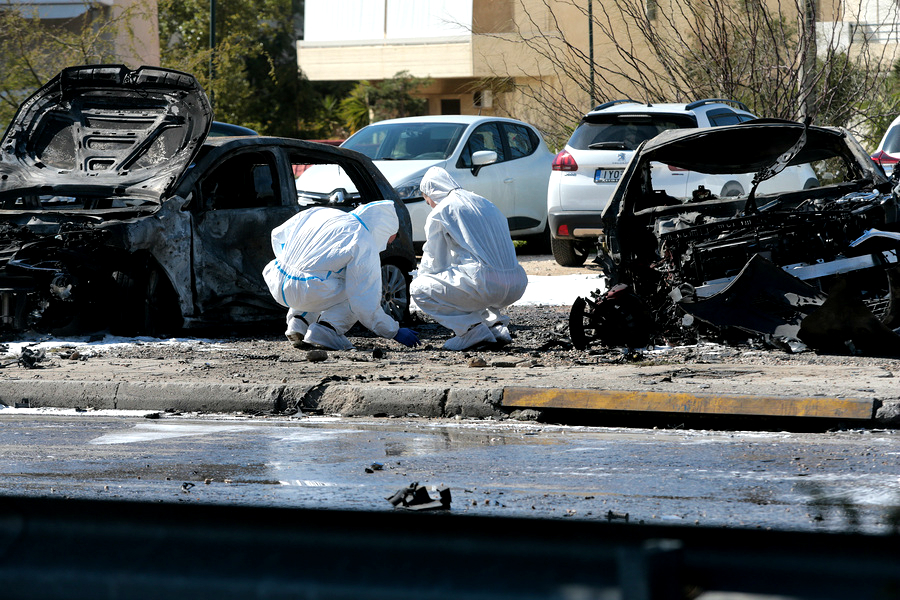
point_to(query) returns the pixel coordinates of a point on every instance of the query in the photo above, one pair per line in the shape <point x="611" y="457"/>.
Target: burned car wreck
<point x="794" y="268"/>
<point x="117" y="213"/>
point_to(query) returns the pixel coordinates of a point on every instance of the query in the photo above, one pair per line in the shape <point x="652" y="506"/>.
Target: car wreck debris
<point x="809" y="257"/>
<point x="415" y="497"/>
<point x="118" y="212"/>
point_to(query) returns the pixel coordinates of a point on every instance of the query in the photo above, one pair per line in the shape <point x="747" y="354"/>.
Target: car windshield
<point x="624" y="131"/>
<point x="407" y="141"/>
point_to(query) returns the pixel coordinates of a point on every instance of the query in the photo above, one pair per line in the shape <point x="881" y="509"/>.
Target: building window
<point x="450" y="106"/>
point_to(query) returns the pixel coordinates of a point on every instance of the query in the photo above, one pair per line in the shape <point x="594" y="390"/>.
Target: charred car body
<point x="757" y="264"/>
<point x="117" y="212"/>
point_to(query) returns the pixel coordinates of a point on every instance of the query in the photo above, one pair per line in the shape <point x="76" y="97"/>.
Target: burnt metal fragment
<point x="415" y="497"/>
<point x="762" y="299"/>
<point x="844" y="325"/>
<point x="617" y="318"/>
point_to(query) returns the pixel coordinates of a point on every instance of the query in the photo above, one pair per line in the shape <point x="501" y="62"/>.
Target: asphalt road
<point x="838" y="481"/>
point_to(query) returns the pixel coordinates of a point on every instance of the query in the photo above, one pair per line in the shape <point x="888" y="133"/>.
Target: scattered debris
<point x="375" y="466"/>
<point x="70" y="354"/>
<point x="616" y="516"/>
<point x="476" y="362"/>
<point x="415" y="497"/>
<point x="316" y="355"/>
<point x="526" y="414"/>
<point x="30" y="358"/>
<point x="503" y="363"/>
<point x="186" y="487"/>
<point x="554" y="342"/>
<point x="618" y="317"/>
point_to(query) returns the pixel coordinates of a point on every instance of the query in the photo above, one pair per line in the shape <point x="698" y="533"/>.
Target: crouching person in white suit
<point x="328" y="273"/>
<point x="469" y="272"/>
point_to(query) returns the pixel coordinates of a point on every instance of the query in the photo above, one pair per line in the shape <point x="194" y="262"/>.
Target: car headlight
<point x="409" y="190"/>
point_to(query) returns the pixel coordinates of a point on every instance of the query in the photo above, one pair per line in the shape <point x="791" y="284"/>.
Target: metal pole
<point x="591" y="48"/>
<point x="212" y="50"/>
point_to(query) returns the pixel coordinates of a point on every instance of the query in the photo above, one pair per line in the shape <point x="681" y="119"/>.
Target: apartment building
<point x="473" y="50"/>
<point x="463" y="46"/>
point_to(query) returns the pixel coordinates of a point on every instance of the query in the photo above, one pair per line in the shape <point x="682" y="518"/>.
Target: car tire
<point x="150" y="301"/>
<point x="568" y="253"/>
<point x="395" y="291"/>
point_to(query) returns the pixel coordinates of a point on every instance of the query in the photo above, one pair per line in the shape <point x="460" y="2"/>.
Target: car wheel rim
<point x="394" y="298"/>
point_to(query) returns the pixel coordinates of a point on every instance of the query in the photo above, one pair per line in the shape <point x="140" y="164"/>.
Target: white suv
<point x="586" y="171"/>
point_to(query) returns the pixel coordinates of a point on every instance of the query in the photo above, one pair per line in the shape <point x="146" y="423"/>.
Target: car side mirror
<point x="338" y="197"/>
<point x="482" y="158"/>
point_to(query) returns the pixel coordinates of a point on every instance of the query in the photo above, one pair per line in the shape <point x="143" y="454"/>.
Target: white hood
<point x="327" y="178"/>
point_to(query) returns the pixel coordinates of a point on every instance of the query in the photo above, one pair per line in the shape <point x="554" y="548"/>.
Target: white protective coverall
<point x="327" y="267"/>
<point x="469" y="272"/>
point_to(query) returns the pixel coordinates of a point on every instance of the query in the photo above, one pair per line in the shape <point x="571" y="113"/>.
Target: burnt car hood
<point x="749" y="147"/>
<point x="105" y="129"/>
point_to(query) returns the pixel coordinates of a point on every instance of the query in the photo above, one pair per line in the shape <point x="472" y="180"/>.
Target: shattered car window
<point x="346" y="188"/>
<point x="341" y="192"/>
<point x="247" y="180"/>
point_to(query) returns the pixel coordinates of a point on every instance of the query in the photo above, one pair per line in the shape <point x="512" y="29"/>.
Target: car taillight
<point x="883" y="158"/>
<point x="563" y="230"/>
<point x="678" y="169"/>
<point x="564" y="162"/>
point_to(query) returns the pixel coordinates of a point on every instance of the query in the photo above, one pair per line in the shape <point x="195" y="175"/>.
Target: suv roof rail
<point x="613" y="103"/>
<point x="700" y="103"/>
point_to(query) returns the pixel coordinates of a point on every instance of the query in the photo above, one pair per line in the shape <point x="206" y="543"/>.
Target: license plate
<point x="607" y="175"/>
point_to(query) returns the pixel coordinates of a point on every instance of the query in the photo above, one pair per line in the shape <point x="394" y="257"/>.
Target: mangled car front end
<point x="708" y="266"/>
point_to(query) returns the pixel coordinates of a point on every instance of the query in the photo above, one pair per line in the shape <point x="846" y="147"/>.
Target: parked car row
<point x="123" y="204"/>
<point x="504" y="160"/>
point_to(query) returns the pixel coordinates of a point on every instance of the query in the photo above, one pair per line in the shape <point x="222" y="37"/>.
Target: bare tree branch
<point x="770" y="56"/>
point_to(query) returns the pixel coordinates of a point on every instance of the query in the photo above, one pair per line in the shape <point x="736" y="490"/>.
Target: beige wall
<point x="383" y="61"/>
<point x="140" y="46"/>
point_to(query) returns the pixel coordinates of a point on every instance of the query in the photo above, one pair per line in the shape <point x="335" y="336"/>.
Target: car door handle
<point x="508" y="180"/>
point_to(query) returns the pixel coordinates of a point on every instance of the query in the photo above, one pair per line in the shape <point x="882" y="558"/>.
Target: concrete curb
<point x="432" y="402"/>
<point x="208" y="397"/>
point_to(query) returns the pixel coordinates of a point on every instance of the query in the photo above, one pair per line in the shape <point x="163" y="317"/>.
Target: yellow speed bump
<point x="675" y="402"/>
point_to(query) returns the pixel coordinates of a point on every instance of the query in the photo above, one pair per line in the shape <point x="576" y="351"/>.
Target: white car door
<point x="529" y="164"/>
<point x="491" y="181"/>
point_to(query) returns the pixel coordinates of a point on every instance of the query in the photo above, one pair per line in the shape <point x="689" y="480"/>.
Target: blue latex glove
<point x="407" y="337"/>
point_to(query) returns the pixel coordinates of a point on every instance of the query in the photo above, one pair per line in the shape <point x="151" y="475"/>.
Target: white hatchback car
<point x="504" y="160"/>
<point x="888" y="152"/>
<point x="589" y="167"/>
